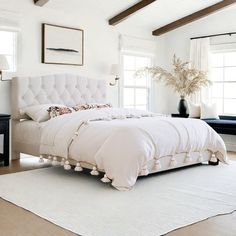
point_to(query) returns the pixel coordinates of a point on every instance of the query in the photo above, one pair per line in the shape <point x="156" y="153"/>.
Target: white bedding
<point x="122" y="146"/>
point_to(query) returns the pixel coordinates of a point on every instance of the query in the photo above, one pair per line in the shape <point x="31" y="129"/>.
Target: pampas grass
<point x="182" y="79"/>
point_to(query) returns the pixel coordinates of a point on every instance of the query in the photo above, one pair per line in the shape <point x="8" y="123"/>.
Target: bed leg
<point x="212" y="163"/>
<point x="15" y="155"/>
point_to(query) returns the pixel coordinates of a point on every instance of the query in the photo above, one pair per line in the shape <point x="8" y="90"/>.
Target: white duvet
<point x="121" y="142"/>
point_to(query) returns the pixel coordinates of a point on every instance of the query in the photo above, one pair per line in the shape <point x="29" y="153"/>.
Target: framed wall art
<point x="62" y="45"/>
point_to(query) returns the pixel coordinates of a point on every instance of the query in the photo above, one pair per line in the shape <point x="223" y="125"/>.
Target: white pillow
<point x="194" y="110"/>
<point x="38" y="113"/>
<point x="209" y="111"/>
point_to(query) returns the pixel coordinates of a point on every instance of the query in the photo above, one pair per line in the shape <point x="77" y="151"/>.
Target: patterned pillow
<point x="55" y="111"/>
<point x="87" y="106"/>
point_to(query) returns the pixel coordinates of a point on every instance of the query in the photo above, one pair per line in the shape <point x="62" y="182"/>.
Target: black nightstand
<point x="180" y="116"/>
<point x="4" y="129"/>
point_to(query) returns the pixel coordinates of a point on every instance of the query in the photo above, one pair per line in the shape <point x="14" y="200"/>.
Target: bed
<point x="122" y="144"/>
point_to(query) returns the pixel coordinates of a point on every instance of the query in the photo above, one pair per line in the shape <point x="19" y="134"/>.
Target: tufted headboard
<point x="64" y="89"/>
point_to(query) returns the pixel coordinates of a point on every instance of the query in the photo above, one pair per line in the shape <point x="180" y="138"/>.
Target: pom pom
<point x="78" y="167"/>
<point x="105" y="179"/>
<point x="157" y="165"/>
<point x="94" y="171"/>
<point x="213" y="158"/>
<point x="54" y="161"/>
<point x="41" y="160"/>
<point x="173" y="162"/>
<point x="62" y="161"/>
<point x="144" y="171"/>
<point x="188" y="158"/>
<point x="67" y="165"/>
<point x="49" y="159"/>
<point x="200" y="158"/>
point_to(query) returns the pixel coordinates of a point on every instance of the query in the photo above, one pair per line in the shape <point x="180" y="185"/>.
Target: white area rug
<point x="158" y="204"/>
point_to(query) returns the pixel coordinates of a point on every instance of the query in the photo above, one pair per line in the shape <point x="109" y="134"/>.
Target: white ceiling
<point x="152" y="17"/>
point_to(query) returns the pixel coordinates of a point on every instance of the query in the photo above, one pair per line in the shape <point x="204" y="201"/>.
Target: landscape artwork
<point x="62" y="45"/>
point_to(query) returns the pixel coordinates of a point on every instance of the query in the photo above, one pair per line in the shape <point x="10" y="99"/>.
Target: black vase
<point x="183" y="106"/>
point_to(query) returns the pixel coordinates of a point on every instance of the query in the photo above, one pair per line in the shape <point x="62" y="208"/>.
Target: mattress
<point x="27" y="136"/>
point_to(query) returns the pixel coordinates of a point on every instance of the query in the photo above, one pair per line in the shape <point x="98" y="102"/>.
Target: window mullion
<point x="223" y="84"/>
<point x="135" y="64"/>
<point x="134" y="59"/>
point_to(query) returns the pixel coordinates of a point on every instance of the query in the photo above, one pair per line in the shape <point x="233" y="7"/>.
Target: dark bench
<point x="225" y="125"/>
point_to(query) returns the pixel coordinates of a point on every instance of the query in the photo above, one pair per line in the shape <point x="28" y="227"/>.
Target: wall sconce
<point x="115" y="71"/>
<point x="3" y="65"/>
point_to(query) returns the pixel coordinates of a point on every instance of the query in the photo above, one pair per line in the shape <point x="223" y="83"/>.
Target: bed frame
<point x="64" y="89"/>
<point x="69" y="90"/>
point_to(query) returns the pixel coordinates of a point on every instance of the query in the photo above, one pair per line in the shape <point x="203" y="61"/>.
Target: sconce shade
<point x="114" y="70"/>
<point x="3" y="63"/>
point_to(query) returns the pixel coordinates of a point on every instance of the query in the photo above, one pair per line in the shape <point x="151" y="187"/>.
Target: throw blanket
<point x="121" y="141"/>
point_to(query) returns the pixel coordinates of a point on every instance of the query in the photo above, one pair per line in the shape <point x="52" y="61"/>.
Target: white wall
<point x="160" y="92"/>
<point x="178" y="42"/>
<point x="101" y="42"/>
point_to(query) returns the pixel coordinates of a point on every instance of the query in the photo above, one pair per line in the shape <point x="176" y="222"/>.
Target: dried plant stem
<point x="182" y="79"/>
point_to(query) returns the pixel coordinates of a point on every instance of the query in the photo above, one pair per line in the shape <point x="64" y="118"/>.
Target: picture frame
<point x="62" y="45"/>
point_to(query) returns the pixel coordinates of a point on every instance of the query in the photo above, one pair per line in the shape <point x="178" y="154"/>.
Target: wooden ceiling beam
<point x="130" y="11"/>
<point x="40" y="2"/>
<point x="193" y="17"/>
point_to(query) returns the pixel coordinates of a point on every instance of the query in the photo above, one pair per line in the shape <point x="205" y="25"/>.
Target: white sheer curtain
<point x="199" y="59"/>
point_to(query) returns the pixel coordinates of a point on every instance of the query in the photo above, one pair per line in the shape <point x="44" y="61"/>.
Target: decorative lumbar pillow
<point x="38" y="113"/>
<point x="87" y="106"/>
<point x="194" y="110"/>
<point x="55" y="111"/>
<point x="209" y="111"/>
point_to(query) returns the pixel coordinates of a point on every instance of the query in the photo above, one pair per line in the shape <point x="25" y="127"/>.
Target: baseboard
<point x="231" y="147"/>
<point x="230" y="142"/>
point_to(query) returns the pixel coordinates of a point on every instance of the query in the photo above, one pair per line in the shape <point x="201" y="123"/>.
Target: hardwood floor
<point x="15" y="221"/>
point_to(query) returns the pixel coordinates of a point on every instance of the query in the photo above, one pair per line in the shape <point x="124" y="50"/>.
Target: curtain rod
<point x="213" y="35"/>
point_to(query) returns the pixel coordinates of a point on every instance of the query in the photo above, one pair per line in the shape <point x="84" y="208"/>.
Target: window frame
<point x="223" y="81"/>
<point x="149" y="82"/>
<point x="15" y="51"/>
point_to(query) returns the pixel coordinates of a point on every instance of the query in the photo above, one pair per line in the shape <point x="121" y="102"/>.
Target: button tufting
<point x="62" y="89"/>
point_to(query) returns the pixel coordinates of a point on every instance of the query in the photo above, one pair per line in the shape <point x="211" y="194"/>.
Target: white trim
<point x="223" y="82"/>
<point x="138" y="53"/>
<point x="15" y="50"/>
<point x="136" y="44"/>
<point x="230" y="141"/>
<point x="220" y="49"/>
<point x="230" y="146"/>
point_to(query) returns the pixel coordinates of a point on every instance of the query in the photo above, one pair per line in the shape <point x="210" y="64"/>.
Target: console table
<point x="4" y="130"/>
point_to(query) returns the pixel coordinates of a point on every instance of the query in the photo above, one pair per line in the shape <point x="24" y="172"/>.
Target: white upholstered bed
<point x="50" y="89"/>
<point x="123" y="144"/>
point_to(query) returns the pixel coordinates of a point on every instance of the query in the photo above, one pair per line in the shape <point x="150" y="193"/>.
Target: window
<point x="8" y="48"/>
<point x="136" y="91"/>
<point x="223" y="74"/>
